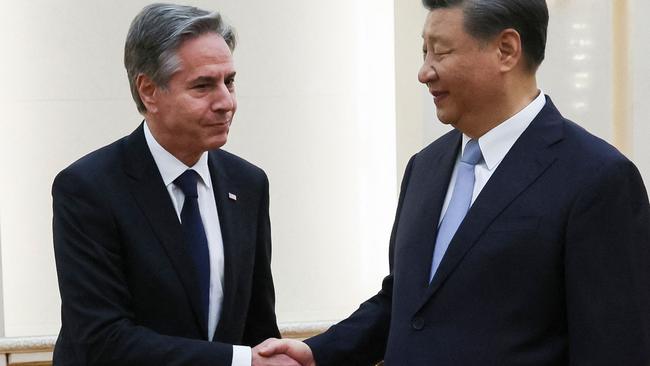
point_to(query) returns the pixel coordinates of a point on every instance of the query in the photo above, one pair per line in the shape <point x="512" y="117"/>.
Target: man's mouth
<point x="439" y="95"/>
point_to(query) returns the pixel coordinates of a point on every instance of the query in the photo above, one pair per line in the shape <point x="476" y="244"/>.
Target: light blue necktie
<point x="461" y="199"/>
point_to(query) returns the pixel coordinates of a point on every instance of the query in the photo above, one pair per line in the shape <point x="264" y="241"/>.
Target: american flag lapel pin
<point x="232" y="196"/>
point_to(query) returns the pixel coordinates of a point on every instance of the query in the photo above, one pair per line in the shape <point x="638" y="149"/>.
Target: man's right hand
<point x="296" y="350"/>
<point x="272" y="359"/>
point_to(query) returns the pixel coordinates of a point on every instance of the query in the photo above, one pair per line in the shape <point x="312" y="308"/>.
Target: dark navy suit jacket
<point x="551" y="265"/>
<point x="128" y="287"/>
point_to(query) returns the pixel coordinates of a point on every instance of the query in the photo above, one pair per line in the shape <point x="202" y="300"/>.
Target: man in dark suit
<point x="162" y="241"/>
<point x="520" y="238"/>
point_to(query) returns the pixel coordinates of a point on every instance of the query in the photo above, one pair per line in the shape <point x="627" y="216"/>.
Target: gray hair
<point x="157" y="33"/>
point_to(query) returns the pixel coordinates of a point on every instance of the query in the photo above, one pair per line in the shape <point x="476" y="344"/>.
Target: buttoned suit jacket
<point x="551" y="265"/>
<point x="129" y="292"/>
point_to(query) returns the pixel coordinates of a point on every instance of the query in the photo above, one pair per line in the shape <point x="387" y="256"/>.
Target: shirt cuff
<point x="242" y="356"/>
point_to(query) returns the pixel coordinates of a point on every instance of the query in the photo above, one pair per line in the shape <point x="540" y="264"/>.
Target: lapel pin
<point x="232" y="196"/>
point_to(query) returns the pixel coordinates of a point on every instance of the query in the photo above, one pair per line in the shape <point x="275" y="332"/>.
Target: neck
<point x="171" y="143"/>
<point x="187" y="159"/>
<point x="514" y="97"/>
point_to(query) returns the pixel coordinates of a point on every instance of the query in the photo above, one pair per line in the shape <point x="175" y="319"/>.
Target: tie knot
<point x="472" y="154"/>
<point x="187" y="183"/>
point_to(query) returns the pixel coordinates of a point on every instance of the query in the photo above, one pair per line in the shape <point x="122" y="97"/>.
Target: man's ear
<point x="148" y="91"/>
<point x="509" y="48"/>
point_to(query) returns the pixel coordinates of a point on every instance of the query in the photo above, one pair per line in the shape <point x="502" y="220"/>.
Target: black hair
<point x="484" y="19"/>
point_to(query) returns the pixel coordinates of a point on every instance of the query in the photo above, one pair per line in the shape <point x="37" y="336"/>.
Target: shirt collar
<point x="170" y="167"/>
<point x="496" y="143"/>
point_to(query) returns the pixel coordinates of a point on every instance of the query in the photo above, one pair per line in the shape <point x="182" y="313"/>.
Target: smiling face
<point x="193" y="113"/>
<point x="461" y="72"/>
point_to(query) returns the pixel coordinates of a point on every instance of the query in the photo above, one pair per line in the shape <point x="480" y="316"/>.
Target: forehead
<point x="443" y="24"/>
<point x="207" y="50"/>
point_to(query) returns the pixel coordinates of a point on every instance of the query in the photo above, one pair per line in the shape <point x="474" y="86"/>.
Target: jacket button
<point x="417" y="323"/>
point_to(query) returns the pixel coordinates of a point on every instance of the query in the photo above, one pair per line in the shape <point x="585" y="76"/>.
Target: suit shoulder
<point x="590" y="161"/>
<point x="91" y="169"/>
<point x="582" y="147"/>
<point x="238" y="167"/>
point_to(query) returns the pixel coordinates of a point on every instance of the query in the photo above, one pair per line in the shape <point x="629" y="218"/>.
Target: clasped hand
<point x="282" y="352"/>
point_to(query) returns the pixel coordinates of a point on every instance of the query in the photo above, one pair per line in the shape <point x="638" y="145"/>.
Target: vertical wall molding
<point x="410" y="95"/>
<point x="621" y="105"/>
<point x="2" y="298"/>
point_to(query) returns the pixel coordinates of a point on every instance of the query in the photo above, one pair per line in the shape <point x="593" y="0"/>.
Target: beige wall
<point x="411" y="97"/>
<point x="639" y="58"/>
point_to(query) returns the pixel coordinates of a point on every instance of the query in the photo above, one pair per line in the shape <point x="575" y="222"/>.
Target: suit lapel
<point x="523" y="164"/>
<point x="152" y="197"/>
<point x="434" y="181"/>
<point x="229" y="215"/>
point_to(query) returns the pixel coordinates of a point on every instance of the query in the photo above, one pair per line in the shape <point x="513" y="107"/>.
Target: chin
<point x="444" y="119"/>
<point x="217" y="143"/>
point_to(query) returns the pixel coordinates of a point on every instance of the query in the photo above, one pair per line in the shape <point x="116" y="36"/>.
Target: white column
<point x="640" y="72"/>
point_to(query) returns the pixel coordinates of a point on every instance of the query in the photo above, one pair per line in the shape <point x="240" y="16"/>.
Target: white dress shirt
<point x="171" y="168"/>
<point x="495" y="144"/>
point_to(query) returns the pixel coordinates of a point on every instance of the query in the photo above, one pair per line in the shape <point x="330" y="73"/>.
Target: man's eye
<point x="230" y="82"/>
<point x="200" y="86"/>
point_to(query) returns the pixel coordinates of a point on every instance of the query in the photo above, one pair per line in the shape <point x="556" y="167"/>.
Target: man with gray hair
<point x="162" y="240"/>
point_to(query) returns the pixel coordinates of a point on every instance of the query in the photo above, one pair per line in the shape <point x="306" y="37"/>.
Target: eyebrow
<point x="203" y="79"/>
<point x="436" y="38"/>
<point x="211" y="79"/>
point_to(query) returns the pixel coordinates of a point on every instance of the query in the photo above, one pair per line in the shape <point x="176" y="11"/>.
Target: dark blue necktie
<point x="197" y="243"/>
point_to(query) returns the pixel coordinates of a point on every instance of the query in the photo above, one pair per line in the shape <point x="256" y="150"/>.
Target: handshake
<point x="282" y="352"/>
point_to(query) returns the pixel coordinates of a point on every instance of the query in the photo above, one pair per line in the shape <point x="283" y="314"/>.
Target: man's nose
<point x="224" y="99"/>
<point x="427" y="73"/>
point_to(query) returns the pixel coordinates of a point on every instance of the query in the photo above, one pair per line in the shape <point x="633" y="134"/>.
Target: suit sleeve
<point x="99" y="325"/>
<point x="361" y="338"/>
<point x="261" y="322"/>
<point x="607" y="263"/>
